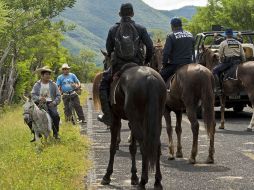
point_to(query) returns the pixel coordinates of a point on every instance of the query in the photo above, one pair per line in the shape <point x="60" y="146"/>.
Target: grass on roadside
<point x="55" y="165"/>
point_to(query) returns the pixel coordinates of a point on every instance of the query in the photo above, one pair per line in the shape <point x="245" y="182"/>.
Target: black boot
<point x="107" y="117"/>
<point x="217" y="90"/>
<point x="56" y="136"/>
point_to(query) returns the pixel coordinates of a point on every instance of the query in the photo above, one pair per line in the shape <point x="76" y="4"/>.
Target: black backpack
<point x="126" y="41"/>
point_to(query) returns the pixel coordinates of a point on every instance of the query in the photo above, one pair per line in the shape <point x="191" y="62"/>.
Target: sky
<point x="173" y="4"/>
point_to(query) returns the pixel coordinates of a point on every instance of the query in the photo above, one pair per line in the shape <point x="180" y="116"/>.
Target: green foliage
<point x="36" y="41"/>
<point x="4" y="12"/>
<point x="83" y="65"/>
<point x="157" y="34"/>
<point x="54" y="165"/>
<point x="237" y="14"/>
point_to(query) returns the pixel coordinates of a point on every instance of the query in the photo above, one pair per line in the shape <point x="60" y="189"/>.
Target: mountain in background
<point x="93" y="18"/>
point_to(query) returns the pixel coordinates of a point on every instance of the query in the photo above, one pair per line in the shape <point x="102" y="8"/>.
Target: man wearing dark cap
<point x="124" y="39"/>
<point x="178" y="49"/>
<point x="230" y="53"/>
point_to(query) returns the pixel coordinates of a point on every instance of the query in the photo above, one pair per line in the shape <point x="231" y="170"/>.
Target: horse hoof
<point x="158" y="186"/>
<point x="210" y="160"/>
<point x="135" y="181"/>
<point x="105" y="181"/>
<point x="192" y="161"/>
<point x="221" y="127"/>
<point x="141" y="187"/>
<point x="249" y="129"/>
<point x="171" y="157"/>
<point x="179" y="154"/>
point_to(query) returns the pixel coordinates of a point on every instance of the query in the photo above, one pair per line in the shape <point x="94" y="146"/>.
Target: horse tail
<point x="207" y="97"/>
<point x="152" y="120"/>
<point x="96" y="91"/>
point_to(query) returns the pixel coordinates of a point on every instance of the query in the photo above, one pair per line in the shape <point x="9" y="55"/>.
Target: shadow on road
<point x="183" y="165"/>
<point x="234" y="115"/>
<point x="230" y="132"/>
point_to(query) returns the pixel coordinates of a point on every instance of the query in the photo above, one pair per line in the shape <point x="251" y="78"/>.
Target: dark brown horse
<point x="137" y="102"/>
<point x="156" y="62"/>
<point x="191" y="87"/>
<point x="245" y="75"/>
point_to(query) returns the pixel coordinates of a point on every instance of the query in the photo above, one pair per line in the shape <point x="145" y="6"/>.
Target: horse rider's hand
<point x="51" y="104"/>
<point x="43" y="99"/>
<point x="74" y="85"/>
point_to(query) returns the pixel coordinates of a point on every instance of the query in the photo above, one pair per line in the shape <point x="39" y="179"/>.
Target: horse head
<point x="107" y="59"/>
<point x="28" y="108"/>
<point x="208" y="58"/>
<point x="156" y="62"/>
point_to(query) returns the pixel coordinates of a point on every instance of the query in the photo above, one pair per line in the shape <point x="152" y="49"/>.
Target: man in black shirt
<point x="178" y="50"/>
<point x="124" y="39"/>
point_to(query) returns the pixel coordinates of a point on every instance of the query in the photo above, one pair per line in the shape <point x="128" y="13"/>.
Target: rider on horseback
<point x="230" y="53"/>
<point x="178" y="49"/>
<point x="45" y="92"/>
<point x="124" y="40"/>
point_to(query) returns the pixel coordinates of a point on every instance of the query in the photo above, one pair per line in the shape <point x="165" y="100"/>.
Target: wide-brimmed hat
<point x="45" y="68"/>
<point x="65" y="66"/>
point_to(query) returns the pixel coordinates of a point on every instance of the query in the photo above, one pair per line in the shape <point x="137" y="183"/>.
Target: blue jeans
<point x="106" y="78"/>
<point x="218" y="69"/>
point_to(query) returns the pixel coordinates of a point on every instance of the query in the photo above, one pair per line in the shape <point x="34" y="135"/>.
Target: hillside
<point x="94" y="18"/>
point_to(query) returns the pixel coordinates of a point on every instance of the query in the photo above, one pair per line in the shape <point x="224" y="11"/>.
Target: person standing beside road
<point x="68" y="83"/>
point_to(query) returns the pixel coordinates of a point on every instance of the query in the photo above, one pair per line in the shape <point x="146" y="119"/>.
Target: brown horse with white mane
<point x="191" y="87"/>
<point x="136" y="101"/>
<point x="245" y="76"/>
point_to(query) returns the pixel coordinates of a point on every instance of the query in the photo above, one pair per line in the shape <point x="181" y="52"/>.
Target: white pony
<point x="41" y="120"/>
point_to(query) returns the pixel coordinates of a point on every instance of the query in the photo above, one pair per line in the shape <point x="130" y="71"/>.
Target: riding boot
<point x="107" y="117"/>
<point x="217" y="90"/>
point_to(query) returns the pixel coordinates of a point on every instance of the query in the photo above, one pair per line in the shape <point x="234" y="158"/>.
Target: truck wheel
<point x="238" y="108"/>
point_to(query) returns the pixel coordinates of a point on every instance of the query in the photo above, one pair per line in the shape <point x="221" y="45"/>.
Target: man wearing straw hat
<point x="68" y="83"/>
<point x="46" y="92"/>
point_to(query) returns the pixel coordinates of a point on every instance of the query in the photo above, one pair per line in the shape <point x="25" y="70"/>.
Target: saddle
<point x="116" y="80"/>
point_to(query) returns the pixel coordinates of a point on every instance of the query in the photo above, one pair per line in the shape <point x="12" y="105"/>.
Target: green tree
<point x="29" y="40"/>
<point x="237" y="14"/>
<point x="4" y="12"/>
<point x="84" y="65"/>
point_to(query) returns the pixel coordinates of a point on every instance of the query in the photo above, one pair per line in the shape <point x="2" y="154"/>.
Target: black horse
<point x="140" y="97"/>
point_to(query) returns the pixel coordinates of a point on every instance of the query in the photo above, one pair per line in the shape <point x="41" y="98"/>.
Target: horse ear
<point x="24" y="98"/>
<point x="29" y="97"/>
<point x="203" y="47"/>
<point x="215" y="57"/>
<point x="104" y="53"/>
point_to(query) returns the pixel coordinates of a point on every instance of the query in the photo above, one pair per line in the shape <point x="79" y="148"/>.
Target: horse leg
<point x="178" y="130"/>
<point x="144" y="175"/>
<point x="251" y="98"/>
<point x="158" y="176"/>
<point x="210" y="159"/>
<point x="222" y="110"/>
<point x="192" y="116"/>
<point x="251" y="125"/>
<point x="118" y="137"/>
<point x="170" y="134"/>
<point x="36" y="136"/>
<point x="133" y="151"/>
<point x="116" y="122"/>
